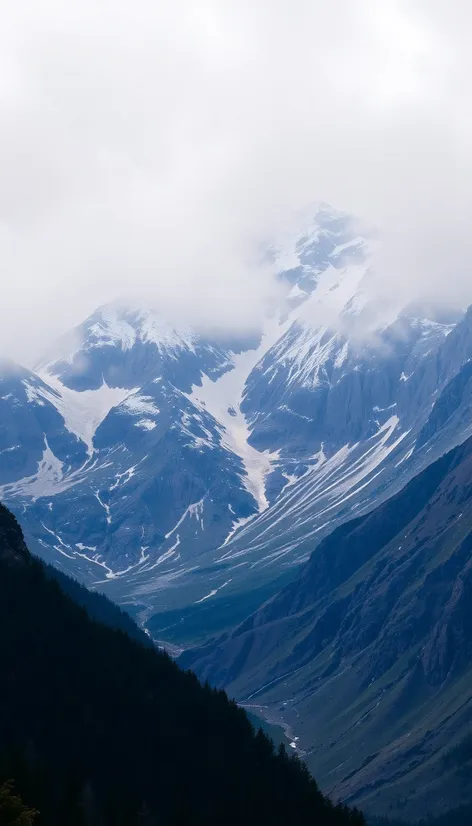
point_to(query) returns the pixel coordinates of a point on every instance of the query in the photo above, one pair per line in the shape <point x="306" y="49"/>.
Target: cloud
<point x="148" y="147"/>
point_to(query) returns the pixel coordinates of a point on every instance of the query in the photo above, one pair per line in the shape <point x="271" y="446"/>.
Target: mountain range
<point x="289" y="503"/>
<point x="190" y="475"/>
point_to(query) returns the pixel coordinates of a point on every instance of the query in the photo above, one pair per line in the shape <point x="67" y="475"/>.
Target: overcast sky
<point x="150" y="145"/>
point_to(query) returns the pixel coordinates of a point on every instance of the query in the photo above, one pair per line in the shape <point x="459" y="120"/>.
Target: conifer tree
<point x="13" y="811"/>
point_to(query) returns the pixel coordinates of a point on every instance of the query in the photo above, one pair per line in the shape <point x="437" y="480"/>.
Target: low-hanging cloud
<point x="147" y="148"/>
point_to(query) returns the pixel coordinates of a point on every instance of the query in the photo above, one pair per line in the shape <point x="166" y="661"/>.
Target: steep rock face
<point x="367" y="654"/>
<point x="452" y="408"/>
<point x="316" y="387"/>
<point x="33" y="434"/>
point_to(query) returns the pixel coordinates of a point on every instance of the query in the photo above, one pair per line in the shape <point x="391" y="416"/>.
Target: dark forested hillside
<point x="97" y="605"/>
<point x="96" y="728"/>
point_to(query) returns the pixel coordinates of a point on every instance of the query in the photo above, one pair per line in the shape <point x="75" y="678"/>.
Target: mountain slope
<point x="365" y="657"/>
<point x="100" y="729"/>
<point x="35" y="445"/>
<point x="98" y="606"/>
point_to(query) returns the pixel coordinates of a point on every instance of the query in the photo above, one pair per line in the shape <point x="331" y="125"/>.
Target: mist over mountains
<point x="190" y="473"/>
<point x="241" y="414"/>
<point x="152" y="155"/>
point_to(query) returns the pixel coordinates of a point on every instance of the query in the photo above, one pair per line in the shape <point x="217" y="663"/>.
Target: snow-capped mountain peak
<point x="172" y="464"/>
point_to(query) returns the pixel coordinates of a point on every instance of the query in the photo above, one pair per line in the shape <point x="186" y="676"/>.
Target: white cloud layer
<point x="148" y="147"/>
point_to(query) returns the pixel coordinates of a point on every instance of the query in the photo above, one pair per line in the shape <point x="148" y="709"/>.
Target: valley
<point x="286" y="511"/>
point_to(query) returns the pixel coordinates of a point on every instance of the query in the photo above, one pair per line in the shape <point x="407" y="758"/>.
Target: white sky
<point x="148" y="146"/>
